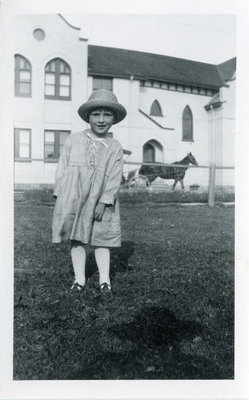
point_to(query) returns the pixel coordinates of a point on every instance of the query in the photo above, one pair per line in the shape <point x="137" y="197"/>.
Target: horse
<point x="151" y="172"/>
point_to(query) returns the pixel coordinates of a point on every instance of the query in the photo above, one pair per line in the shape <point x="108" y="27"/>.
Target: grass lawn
<point x="172" y="312"/>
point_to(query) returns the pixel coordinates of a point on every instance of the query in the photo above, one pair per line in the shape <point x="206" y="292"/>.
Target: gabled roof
<point x="113" y="62"/>
<point x="227" y="69"/>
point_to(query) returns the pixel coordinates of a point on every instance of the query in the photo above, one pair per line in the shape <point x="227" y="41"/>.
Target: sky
<point x="208" y="38"/>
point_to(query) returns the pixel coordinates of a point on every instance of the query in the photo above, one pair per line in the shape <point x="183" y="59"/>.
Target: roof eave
<point x="147" y="78"/>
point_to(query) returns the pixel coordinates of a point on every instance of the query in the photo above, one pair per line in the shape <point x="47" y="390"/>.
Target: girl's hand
<point x="99" y="211"/>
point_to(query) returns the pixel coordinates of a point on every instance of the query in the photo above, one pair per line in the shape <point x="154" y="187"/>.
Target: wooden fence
<point x="213" y="168"/>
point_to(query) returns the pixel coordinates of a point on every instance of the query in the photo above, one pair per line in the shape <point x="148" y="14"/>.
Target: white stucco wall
<point x="38" y="113"/>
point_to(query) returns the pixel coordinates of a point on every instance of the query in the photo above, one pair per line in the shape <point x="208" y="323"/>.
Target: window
<point x="23" y="143"/>
<point x="39" y="34"/>
<point x="180" y="88"/>
<point x="202" y="91"/>
<point x="54" y="142"/>
<point x="148" y="153"/>
<point x="156" y="109"/>
<point x="152" y="151"/>
<point x="172" y="86"/>
<point x="187" y="89"/>
<point x="22" y="77"/>
<point x="187" y="125"/>
<point x="156" y="84"/>
<point x="102" y="83"/>
<point x="57" y="80"/>
<point x="164" y="86"/>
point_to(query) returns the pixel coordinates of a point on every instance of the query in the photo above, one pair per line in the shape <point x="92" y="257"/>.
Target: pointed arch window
<point x="57" y="80"/>
<point x="149" y="153"/>
<point x="152" y="151"/>
<point x="22" y="76"/>
<point x="156" y="109"/>
<point x="187" y="125"/>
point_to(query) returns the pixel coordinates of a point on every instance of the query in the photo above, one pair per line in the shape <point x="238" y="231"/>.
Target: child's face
<point x="101" y="121"/>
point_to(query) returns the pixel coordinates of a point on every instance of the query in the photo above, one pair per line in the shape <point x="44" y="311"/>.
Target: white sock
<point x="78" y="254"/>
<point x="102" y="257"/>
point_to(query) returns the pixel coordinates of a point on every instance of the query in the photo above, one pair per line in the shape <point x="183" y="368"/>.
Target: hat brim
<point x="117" y="108"/>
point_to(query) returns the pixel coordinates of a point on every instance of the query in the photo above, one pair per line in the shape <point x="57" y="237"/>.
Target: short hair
<point x="99" y="109"/>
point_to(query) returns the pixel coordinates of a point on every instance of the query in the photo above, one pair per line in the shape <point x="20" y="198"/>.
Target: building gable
<point x="227" y="69"/>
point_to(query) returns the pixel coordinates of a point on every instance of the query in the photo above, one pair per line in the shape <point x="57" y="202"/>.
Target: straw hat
<point x="102" y="98"/>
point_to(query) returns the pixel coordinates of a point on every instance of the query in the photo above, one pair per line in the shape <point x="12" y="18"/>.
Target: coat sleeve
<point x="62" y="164"/>
<point x="114" y="180"/>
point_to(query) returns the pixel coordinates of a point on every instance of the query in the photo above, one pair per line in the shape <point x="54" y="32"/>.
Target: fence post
<point x="211" y="189"/>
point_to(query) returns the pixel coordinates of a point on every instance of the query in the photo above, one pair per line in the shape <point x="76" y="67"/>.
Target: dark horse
<point x="168" y="171"/>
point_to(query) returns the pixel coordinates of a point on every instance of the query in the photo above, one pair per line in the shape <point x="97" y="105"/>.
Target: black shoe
<point x="105" y="288"/>
<point x="77" y="286"/>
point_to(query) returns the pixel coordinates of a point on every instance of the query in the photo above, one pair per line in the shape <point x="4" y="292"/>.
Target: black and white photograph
<point x="123" y="172"/>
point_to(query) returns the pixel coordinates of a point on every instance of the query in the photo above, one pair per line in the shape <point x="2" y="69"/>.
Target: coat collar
<point x="104" y="141"/>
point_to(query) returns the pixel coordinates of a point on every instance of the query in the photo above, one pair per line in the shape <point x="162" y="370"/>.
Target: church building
<point x="174" y="106"/>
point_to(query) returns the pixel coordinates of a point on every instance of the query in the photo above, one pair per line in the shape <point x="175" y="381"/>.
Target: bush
<point x="45" y="196"/>
<point x="163" y="197"/>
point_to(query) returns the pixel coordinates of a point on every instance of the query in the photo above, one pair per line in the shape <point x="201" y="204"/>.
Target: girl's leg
<point x="102" y="256"/>
<point x="78" y="254"/>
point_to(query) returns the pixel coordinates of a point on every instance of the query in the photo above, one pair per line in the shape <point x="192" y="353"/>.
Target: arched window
<point x="187" y="125"/>
<point x="22" y="76"/>
<point x="152" y="151"/>
<point x="156" y="109"/>
<point x="148" y="153"/>
<point x="57" y="80"/>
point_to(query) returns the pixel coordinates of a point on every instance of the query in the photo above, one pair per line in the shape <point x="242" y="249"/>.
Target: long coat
<point x="89" y="171"/>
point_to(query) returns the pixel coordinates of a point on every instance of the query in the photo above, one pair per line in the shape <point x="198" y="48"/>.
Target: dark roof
<point x="227" y="69"/>
<point x="109" y="61"/>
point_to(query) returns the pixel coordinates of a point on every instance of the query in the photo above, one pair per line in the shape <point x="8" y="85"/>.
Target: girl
<point x="87" y="182"/>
